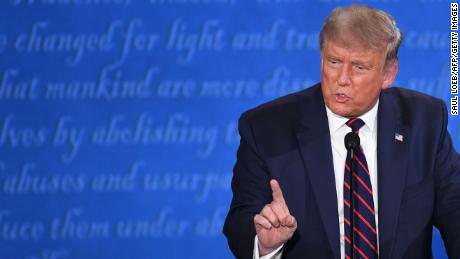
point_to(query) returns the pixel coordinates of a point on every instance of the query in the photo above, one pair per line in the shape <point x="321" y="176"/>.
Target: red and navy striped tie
<point x="364" y="230"/>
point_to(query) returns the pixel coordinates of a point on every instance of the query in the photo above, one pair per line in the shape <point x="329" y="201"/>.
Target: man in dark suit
<point x="299" y="193"/>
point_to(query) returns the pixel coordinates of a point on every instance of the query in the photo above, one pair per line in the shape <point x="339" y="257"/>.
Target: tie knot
<point x="355" y="124"/>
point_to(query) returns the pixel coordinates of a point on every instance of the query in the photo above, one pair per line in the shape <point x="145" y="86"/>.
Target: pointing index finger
<point x="276" y="191"/>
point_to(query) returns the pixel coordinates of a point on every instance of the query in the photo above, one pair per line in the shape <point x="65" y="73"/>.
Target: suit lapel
<point x="392" y="141"/>
<point x="315" y="146"/>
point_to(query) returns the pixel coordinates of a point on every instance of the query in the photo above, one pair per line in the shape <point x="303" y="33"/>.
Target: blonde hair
<point x="363" y="26"/>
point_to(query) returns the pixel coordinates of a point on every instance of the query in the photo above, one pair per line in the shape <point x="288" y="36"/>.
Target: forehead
<point x="352" y="51"/>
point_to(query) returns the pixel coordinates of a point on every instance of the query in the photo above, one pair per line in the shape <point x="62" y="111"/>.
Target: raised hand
<point x="274" y="224"/>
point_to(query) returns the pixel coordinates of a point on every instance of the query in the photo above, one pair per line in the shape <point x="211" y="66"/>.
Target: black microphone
<point x="351" y="142"/>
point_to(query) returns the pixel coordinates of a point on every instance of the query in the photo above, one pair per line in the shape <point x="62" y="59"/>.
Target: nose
<point x="344" y="76"/>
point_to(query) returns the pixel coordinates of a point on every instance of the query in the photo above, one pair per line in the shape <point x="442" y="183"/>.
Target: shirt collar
<point x="336" y="121"/>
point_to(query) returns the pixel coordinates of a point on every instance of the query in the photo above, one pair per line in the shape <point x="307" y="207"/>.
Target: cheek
<point x="328" y="73"/>
<point x="328" y="79"/>
<point x="369" y="83"/>
<point x="368" y="92"/>
<point x="326" y="85"/>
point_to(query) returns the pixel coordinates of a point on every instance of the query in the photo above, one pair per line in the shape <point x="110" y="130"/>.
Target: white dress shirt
<point x="368" y="136"/>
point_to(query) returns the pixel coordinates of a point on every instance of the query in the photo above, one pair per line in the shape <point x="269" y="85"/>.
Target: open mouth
<point x="341" y="98"/>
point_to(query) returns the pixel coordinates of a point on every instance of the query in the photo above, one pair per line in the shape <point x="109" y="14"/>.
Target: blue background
<point x="118" y="117"/>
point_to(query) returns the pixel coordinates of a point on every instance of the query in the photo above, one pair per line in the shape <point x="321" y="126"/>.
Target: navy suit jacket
<point x="288" y="140"/>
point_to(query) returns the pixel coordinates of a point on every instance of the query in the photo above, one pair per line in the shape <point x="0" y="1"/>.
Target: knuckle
<point x="275" y="205"/>
<point x="265" y="210"/>
<point x="279" y="209"/>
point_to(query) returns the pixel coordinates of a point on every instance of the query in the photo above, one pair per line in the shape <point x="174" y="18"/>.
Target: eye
<point x="361" y="68"/>
<point x="333" y="61"/>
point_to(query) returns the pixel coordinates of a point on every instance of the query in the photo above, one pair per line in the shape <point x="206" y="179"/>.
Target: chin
<point x="345" y="114"/>
<point x="342" y="111"/>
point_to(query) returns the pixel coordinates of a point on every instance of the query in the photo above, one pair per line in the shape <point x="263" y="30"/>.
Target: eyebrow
<point x="353" y="62"/>
<point x="362" y="63"/>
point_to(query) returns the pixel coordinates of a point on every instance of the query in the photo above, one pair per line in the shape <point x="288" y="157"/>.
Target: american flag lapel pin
<point x="399" y="137"/>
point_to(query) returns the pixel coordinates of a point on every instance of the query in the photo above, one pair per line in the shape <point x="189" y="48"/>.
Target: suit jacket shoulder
<point x="272" y="125"/>
<point x="414" y="107"/>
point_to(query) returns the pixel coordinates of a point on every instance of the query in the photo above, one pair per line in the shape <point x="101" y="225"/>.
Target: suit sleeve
<point x="251" y="191"/>
<point x="447" y="206"/>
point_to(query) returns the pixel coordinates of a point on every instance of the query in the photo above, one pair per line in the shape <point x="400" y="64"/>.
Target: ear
<point x="390" y="75"/>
